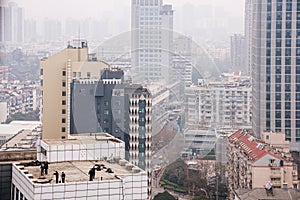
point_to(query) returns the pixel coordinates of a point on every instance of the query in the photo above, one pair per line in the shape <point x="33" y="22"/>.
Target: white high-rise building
<point x="248" y="34"/>
<point x="151" y="40"/>
<point x="11" y="23"/>
<point x="276" y="68"/>
<point x="237" y="53"/>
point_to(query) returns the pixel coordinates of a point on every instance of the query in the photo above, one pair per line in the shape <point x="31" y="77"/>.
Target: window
<point x="287" y="105"/>
<point x="117" y="102"/>
<point x="297" y="96"/>
<point x="278" y="96"/>
<point x="289" y="7"/>
<point x="287" y="96"/>
<point x="106" y="103"/>
<point x="298" y="105"/>
<point x="288" y="61"/>
<point x="63" y="102"/>
<point x="88" y="74"/>
<point x="278" y="88"/>
<point x="288" y="34"/>
<point x="63" y="120"/>
<point x="278" y="62"/>
<point x="64" y="73"/>
<point x="63" y="93"/>
<point x="278" y="105"/>
<point x="79" y="74"/>
<point x="287" y="87"/>
<point x="288" y="16"/>
<point x="63" y="129"/>
<point x="297" y="123"/>
<point x="277" y="123"/>
<point x="63" y="111"/>
<point x="288" y="78"/>
<point x="288" y="43"/>
<point x="106" y="112"/>
<point x="288" y="69"/>
<point x="288" y="52"/>
<point x="278" y="114"/>
<point x="288" y="114"/>
<point x="278" y="52"/>
<point x="287" y="123"/>
<point x="41" y="72"/>
<point x="297" y="132"/>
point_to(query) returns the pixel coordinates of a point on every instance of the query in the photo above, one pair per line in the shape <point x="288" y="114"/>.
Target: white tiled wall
<point x="132" y="186"/>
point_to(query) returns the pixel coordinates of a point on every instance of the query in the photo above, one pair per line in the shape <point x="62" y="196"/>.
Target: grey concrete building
<point x="276" y="68"/>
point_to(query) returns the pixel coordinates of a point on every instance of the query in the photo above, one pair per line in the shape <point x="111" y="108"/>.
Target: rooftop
<point x="255" y="194"/>
<point x="250" y="145"/>
<point x="16" y="126"/>
<point x="83" y="138"/>
<point x="78" y="171"/>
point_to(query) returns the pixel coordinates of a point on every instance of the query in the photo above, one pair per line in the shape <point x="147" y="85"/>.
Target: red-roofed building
<point x="252" y="163"/>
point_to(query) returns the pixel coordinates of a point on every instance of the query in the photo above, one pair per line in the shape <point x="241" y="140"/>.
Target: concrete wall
<point x="3" y="112"/>
<point x="74" y="152"/>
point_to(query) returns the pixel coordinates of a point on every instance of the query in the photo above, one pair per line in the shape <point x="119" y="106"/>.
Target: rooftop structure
<point x="16" y="133"/>
<point x="76" y="157"/>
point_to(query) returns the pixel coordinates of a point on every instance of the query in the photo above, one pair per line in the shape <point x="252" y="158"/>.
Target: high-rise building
<point x="52" y="30"/>
<point x="11" y="23"/>
<point x="276" y="68"/>
<point x="248" y="35"/>
<point x="237" y="53"/>
<point x="30" y="30"/>
<point x="82" y="95"/>
<point x="151" y="39"/>
<point x="182" y="60"/>
<point x="57" y="75"/>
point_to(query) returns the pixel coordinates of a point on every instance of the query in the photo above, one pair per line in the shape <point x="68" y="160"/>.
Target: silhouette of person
<point x="46" y="166"/>
<point x="42" y="169"/>
<point x="63" y="177"/>
<point x="56" y="176"/>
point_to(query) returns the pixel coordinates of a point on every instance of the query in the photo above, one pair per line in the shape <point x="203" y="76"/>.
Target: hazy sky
<point x="95" y="8"/>
<point x="189" y="14"/>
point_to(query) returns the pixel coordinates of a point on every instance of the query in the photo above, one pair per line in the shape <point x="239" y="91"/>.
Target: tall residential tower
<point x="151" y="39"/>
<point x="276" y="68"/>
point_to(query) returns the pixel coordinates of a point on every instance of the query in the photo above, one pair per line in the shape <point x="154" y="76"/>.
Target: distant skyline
<point x="209" y="18"/>
<point x="95" y="8"/>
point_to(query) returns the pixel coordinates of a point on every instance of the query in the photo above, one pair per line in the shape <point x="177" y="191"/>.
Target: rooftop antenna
<point x="79" y="43"/>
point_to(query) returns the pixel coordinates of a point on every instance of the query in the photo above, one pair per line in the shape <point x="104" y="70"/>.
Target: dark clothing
<point x="46" y="166"/>
<point x="63" y="177"/>
<point x="56" y="176"/>
<point x="42" y="169"/>
<point x="91" y="175"/>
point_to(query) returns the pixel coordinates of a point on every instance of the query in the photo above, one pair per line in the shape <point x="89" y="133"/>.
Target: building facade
<point x="276" y="68"/>
<point x="248" y="35"/>
<point x="218" y="105"/>
<point x="237" y="53"/>
<point x="151" y="39"/>
<point x="252" y="163"/>
<point x="57" y="75"/>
